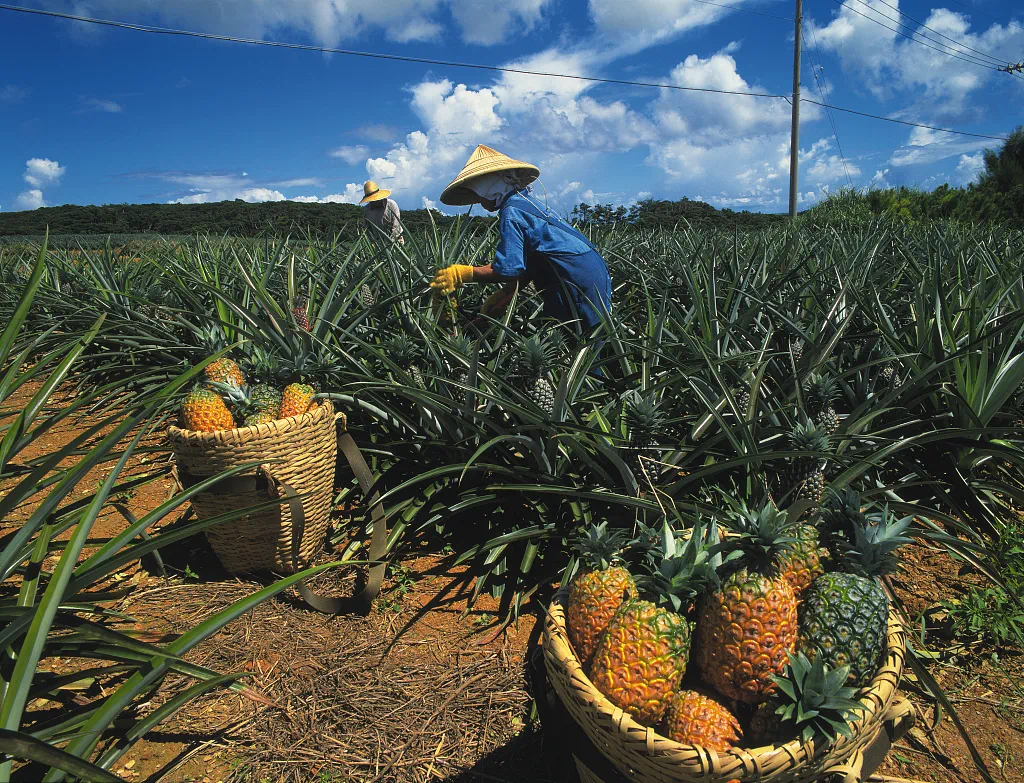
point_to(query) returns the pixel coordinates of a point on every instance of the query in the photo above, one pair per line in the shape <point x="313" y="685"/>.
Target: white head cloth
<point x="495" y="187"/>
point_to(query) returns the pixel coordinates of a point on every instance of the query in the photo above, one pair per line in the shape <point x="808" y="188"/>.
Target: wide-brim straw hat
<point x="484" y="160"/>
<point x="373" y="193"/>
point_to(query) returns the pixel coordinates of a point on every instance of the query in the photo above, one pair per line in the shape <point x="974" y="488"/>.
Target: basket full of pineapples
<point x="766" y="653"/>
<point x="289" y="440"/>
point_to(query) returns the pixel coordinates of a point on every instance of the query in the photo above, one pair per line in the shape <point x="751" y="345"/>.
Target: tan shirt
<point x="385" y="217"/>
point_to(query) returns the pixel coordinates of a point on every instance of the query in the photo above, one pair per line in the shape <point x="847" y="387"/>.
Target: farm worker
<point x="534" y="244"/>
<point x="381" y="216"/>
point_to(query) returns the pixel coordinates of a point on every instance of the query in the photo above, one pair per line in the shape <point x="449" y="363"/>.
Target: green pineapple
<point x="533" y="370"/>
<point x="405" y="354"/>
<point x="821" y="392"/>
<point x="796" y="340"/>
<point x="845" y="615"/>
<point x="458" y="372"/>
<point x="812" y="701"/>
<point x="805" y="479"/>
<point x="642" y="655"/>
<point x="645" y="421"/>
<point x="366" y="296"/>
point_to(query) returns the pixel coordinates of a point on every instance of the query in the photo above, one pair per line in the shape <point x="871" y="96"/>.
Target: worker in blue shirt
<point x="534" y="244"/>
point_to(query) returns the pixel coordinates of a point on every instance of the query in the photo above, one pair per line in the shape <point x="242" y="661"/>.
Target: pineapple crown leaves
<point x="762" y="538"/>
<point x="600" y="548"/>
<point x="808" y="436"/>
<point x="238" y="397"/>
<point x="815" y="699"/>
<point x="403" y="350"/>
<point x="535" y="357"/>
<point x="821" y="391"/>
<point x="643" y="414"/>
<point x="685" y="569"/>
<point x="872" y="550"/>
<point x="842" y="513"/>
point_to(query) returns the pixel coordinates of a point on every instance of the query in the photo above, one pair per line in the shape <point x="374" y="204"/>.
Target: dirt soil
<point x="423" y="689"/>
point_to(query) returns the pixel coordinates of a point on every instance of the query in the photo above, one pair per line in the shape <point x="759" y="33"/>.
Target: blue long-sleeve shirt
<point x="536" y="245"/>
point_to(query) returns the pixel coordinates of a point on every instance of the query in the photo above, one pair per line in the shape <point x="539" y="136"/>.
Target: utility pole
<point x="794" y="142"/>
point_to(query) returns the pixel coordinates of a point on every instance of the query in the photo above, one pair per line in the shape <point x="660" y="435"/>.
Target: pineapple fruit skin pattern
<point x="747" y="630"/>
<point x="594" y="597"/>
<point x="803" y="565"/>
<point x="204" y="411"/>
<point x="845" y="617"/>
<point x="696" y="718"/>
<point x="296" y="399"/>
<point x="641" y="658"/>
<point x="224" y="371"/>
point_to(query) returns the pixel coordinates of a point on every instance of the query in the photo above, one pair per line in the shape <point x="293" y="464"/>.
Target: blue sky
<point x="95" y="115"/>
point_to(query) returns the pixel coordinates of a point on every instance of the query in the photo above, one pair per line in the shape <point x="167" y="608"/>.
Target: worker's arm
<point x="498" y="301"/>
<point x="488" y="274"/>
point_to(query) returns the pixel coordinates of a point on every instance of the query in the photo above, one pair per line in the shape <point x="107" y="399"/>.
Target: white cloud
<point x="486" y="22"/>
<point x="31" y="199"/>
<point x="643" y="22"/>
<point x="879" y="181"/>
<point x="940" y="84"/>
<point x="351" y="155"/>
<point x="969" y="167"/>
<point x="426" y="203"/>
<point x="458" y="111"/>
<point x="43" y="171"/>
<point x="928" y="146"/>
<point x="11" y="93"/>
<point x="328" y="22"/>
<point x="96" y="104"/>
<point x="251" y="195"/>
<point x="377" y="132"/>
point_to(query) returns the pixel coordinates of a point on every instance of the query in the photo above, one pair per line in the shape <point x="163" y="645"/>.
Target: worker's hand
<point x="496" y="302"/>
<point x="451" y="277"/>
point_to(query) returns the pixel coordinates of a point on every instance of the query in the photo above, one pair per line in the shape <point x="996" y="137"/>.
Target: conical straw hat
<point x="373" y="193"/>
<point x="484" y="160"/>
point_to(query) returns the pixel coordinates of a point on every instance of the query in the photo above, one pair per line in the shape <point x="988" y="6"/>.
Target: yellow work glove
<point x="451" y="277"/>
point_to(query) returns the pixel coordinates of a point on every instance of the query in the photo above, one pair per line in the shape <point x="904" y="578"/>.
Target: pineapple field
<point x="782" y="450"/>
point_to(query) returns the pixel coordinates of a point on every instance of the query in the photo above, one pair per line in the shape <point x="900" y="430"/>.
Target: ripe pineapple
<point x="821" y="392"/>
<point x="366" y="296"/>
<point x="203" y="410"/>
<point x="296" y="399"/>
<point x="805" y="479"/>
<point x="812" y="702"/>
<point x="804" y="564"/>
<point x="597" y="591"/>
<point x="300" y="316"/>
<point x="224" y="370"/>
<point x="645" y="421"/>
<point x="845" y="615"/>
<point x="532" y="369"/>
<point x="406" y="355"/>
<point x="698" y="718"/>
<point x="642" y="655"/>
<point x="747" y="627"/>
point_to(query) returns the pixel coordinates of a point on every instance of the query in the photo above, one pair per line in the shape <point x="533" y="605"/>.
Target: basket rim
<point x="275" y="427"/>
<point x="556" y="641"/>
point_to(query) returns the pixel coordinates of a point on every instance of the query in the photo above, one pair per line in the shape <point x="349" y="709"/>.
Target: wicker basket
<point x="641" y="754"/>
<point x="297" y="455"/>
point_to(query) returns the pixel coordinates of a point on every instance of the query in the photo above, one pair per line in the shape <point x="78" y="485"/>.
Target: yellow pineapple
<point x="598" y="590"/>
<point x="296" y="399"/>
<point x="204" y="411"/>
<point x="697" y="718"/>
<point x="224" y="370"/>
<point x="642" y="655"/>
<point x="748" y="627"/>
<point x="803" y="565"/>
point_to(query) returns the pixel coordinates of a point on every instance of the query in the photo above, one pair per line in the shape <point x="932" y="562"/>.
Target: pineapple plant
<point x="462" y="347"/>
<point x="812" y="702"/>
<point x="406" y="355"/>
<point x="642" y="655"/>
<point x="223" y="370"/>
<point x="597" y="591"/>
<point x="796" y="340"/>
<point x="695" y="717"/>
<point x="805" y="478"/>
<point x="844" y="618"/>
<point x="203" y="410"/>
<point x="645" y="420"/>
<point x="747" y="628"/>
<point x="532" y="369"/>
<point x="821" y="392"/>
<point x="296" y="399"/>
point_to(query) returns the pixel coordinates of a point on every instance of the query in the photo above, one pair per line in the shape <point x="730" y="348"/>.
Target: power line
<point x="452" y="64"/>
<point x="828" y="112"/>
<point x="974" y="10"/>
<point x="941" y="35"/>
<point x="967" y="59"/>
